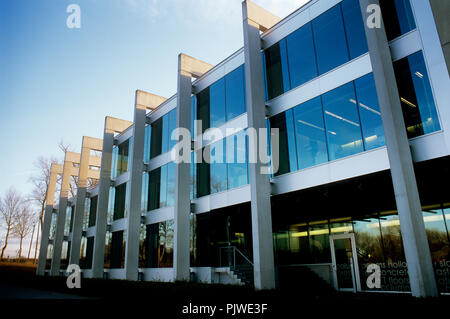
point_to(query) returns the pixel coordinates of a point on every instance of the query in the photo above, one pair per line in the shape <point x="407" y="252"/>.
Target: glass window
<point x="68" y="221"/>
<point x="203" y="179"/>
<point x="354" y="28"/>
<point x="235" y="93"/>
<point x="89" y="252"/>
<point x="170" y="201"/>
<point x="287" y="149"/>
<point x="93" y="211"/>
<point x="217" y="103"/>
<point x="276" y="70"/>
<point x="319" y="242"/>
<point x="397" y="17"/>
<point x="236" y="154"/>
<point x="369" y="111"/>
<point x="172" y="119"/>
<point x="156" y="138"/>
<point x="342" y="122"/>
<point x="218" y="167"/>
<point x="329" y="38"/>
<point x="301" y="56"/>
<point x="154" y="189"/>
<point x="117" y="252"/>
<point x="159" y="245"/>
<point x="119" y="201"/>
<point x="436" y="234"/>
<point x="310" y="133"/>
<point x="419" y="110"/>
<point x="163" y="187"/>
<point x="203" y="109"/>
<point x="148" y="136"/>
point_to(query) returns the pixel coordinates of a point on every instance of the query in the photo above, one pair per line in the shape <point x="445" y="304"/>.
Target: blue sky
<point x="58" y="83"/>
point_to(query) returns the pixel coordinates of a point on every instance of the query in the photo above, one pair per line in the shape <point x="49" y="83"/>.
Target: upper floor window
<point x="416" y="96"/>
<point x="222" y="101"/>
<point x="120" y="158"/>
<point x="397" y="17"/>
<point x="158" y="136"/>
<point x="328" y="41"/>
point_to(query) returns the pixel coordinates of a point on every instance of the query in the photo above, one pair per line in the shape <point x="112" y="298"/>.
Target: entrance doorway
<point x="345" y="262"/>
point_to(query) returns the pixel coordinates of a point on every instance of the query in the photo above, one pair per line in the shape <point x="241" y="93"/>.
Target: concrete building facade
<point x="356" y="107"/>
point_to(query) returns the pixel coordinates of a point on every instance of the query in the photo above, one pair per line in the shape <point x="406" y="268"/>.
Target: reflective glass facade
<point x="228" y="167"/>
<point x="398" y="17"/>
<point x="419" y="110"/>
<point x="222" y="101"/>
<point x="115" y="249"/>
<point x="120" y="158"/>
<point x="158" y="188"/>
<point x="156" y="245"/>
<point x="328" y="41"/>
<point x="342" y="122"/>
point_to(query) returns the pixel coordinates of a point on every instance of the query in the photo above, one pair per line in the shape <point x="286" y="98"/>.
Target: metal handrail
<point x="234" y="249"/>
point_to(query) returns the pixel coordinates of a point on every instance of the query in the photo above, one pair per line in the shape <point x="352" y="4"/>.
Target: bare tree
<point x="38" y="195"/>
<point x="23" y="225"/>
<point x="10" y="206"/>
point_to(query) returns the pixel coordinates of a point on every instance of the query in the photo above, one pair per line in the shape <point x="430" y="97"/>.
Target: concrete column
<point x="254" y="20"/>
<point x="112" y="125"/>
<point x="88" y="144"/>
<point x="68" y="171"/>
<point x="55" y="169"/>
<point x="188" y="67"/>
<point x="143" y="101"/>
<point x="418" y="258"/>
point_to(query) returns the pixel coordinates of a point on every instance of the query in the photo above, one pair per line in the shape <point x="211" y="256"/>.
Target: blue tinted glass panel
<point x="156" y="138"/>
<point x="217" y="103"/>
<point x="172" y="119"/>
<point x="170" y="183"/>
<point x="148" y="136"/>
<point x="236" y="155"/>
<point x="163" y="187"/>
<point x="342" y="122"/>
<point x="275" y="66"/>
<point x="218" y="167"/>
<point x="165" y="133"/>
<point x="301" y="56"/>
<point x="193" y="115"/>
<point x="329" y="37"/>
<point x="287" y="149"/>
<point x="419" y="110"/>
<point x="354" y="28"/>
<point x="235" y="93"/>
<point x="310" y="134"/>
<point x="369" y="112"/>
<point x="398" y="17"/>
<point x="203" y="109"/>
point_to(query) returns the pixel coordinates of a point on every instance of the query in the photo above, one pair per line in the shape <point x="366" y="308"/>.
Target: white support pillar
<point x="188" y="67"/>
<point x="55" y="170"/>
<point x="256" y="19"/>
<point x="417" y="252"/>
<point x="112" y="125"/>
<point x="68" y="171"/>
<point x="143" y="101"/>
<point x="88" y="144"/>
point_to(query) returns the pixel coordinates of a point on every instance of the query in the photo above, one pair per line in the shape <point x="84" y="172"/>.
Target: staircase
<point x="244" y="273"/>
<point x="239" y="264"/>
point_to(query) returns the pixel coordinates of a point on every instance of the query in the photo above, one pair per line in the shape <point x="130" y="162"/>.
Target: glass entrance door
<point x="345" y="262"/>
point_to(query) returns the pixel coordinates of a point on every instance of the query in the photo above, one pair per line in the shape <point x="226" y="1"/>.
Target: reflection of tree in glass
<point x="438" y="242"/>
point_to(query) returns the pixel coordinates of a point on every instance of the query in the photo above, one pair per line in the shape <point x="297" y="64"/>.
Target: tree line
<point x="22" y="215"/>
